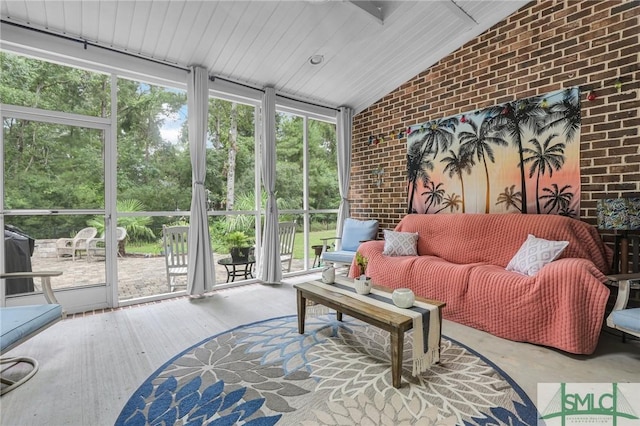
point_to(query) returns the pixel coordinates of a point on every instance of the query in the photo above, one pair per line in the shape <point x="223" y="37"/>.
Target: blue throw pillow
<point x="355" y="231"/>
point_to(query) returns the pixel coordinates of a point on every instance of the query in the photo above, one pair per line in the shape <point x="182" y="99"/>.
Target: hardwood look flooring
<point x="90" y="366"/>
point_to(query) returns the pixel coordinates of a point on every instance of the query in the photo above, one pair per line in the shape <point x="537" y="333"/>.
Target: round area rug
<point x="337" y="373"/>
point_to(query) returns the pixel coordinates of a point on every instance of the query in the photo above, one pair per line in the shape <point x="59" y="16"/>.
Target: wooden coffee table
<point x="395" y="323"/>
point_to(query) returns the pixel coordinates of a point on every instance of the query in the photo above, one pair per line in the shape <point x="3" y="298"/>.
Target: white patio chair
<point x="77" y="244"/>
<point x="175" y="252"/>
<point x="96" y="246"/>
<point x="287" y="232"/>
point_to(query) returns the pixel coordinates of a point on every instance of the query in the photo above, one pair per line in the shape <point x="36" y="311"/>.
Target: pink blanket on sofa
<point x="461" y="262"/>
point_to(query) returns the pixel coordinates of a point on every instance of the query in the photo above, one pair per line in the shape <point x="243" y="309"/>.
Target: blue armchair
<point x="19" y="323"/>
<point x="622" y="318"/>
<point x="353" y="233"/>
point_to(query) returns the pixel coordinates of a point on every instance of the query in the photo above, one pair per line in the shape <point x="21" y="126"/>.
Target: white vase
<point x="362" y="284"/>
<point x="329" y="274"/>
<point x="403" y="297"/>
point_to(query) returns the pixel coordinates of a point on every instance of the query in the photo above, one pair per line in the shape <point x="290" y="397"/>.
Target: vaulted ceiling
<point x="368" y="48"/>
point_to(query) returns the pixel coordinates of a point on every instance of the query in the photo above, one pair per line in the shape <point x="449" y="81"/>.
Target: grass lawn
<point x="144" y="248"/>
<point x="298" y="248"/>
<point x="314" y="238"/>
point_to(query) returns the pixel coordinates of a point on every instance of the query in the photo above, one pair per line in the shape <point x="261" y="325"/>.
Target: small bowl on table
<point x="403" y="297"/>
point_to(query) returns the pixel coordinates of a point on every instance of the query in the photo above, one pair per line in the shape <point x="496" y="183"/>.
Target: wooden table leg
<point x="302" y="308"/>
<point x="397" y="342"/>
<point x="440" y="338"/>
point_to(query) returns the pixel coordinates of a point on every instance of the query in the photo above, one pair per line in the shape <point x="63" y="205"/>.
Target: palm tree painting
<point x="418" y="166"/>
<point x="434" y="195"/>
<point x="427" y="143"/>
<point x="479" y="142"/>
<point x="519" y="157"/>
<point x="451" y="202"/>
<point x="510" y="198"/>
<point x="456" y="164"/>
<point x="544" y="158"/>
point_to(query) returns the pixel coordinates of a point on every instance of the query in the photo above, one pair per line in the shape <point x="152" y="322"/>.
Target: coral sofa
<point x="462" y="258"/>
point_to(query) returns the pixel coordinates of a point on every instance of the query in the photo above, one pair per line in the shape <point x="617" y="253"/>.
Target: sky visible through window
<point x="171" y="121"/>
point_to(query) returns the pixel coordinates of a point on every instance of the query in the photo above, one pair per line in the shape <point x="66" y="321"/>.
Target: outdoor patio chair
<point x="287" y="232"/>
<point x="20" y="323"/>
<point x="96" y="246"/>
<point x="354" y="232"/>
<point x="175" y="252"/>
<point x="626" y="320"/>
<point x="77" y="244"/>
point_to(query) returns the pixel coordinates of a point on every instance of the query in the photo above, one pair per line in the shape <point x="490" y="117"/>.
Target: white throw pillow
<point x="534" y="254"/>
<point x="400" y="243"/>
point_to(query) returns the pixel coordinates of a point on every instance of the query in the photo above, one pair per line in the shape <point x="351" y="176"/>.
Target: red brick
<point x="624" y="7"/>
<point x="623" y="150"/>
<point x="605" y="179"/>
<point x="607" y="160"/>
<point x="575" y="65"/>
<point x="607" y="126"/>
<point x="621" y="187"/>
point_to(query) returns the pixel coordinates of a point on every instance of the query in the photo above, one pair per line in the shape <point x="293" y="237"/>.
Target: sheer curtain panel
<point x="270" y="268"/>
<point x="345" y="120"/>
<point x="200" y="271"/>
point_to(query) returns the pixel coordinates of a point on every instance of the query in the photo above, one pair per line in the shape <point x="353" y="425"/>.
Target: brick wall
<point x="545" y="46"/>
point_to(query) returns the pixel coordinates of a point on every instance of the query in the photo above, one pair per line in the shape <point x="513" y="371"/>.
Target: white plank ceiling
<point x="369" y="47"/>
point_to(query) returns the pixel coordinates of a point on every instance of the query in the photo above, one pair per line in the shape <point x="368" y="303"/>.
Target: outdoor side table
<point x="238" y="268"/>
<point x="317" y="249"/>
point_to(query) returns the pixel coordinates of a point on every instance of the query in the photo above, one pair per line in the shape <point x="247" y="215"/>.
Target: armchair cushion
<point x="339" y="256"/>
<point x="355" y="231"/>
<point x="19" y="322"/>
<point x="627" y="318"/>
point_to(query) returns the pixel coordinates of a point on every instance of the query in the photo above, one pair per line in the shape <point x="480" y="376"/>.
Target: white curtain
<point x="345" y="121"/>
<point x="270" y="268"/>
<point x="200" y="270"/>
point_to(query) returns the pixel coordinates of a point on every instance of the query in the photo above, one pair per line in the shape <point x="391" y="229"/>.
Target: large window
<point x="154" y="167"/>
<point x="52" y="166"/>
<point x="323" y="166"/>
<point x="290" y="161"/>
<point x="231" y="156"/>
<point x="153" y="183"/>
<point x="28" y="82"/>
<point x="231" y="175"/>
<point x="306" y="181"/>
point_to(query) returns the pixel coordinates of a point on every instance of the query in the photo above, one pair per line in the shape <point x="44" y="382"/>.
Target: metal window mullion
<point x="305" y="190"/>
<point x="257" y="155"/>
<point x="2" y="254"/>
<point x="110" y="188"/>
<point x="53" y="212"/>
<point x="55" y="117"/>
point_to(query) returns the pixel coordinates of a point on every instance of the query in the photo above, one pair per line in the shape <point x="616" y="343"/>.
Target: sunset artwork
<point x="519" y="157"/>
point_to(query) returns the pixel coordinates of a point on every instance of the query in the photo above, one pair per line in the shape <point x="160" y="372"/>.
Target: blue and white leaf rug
<point x="337" y="373"/>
